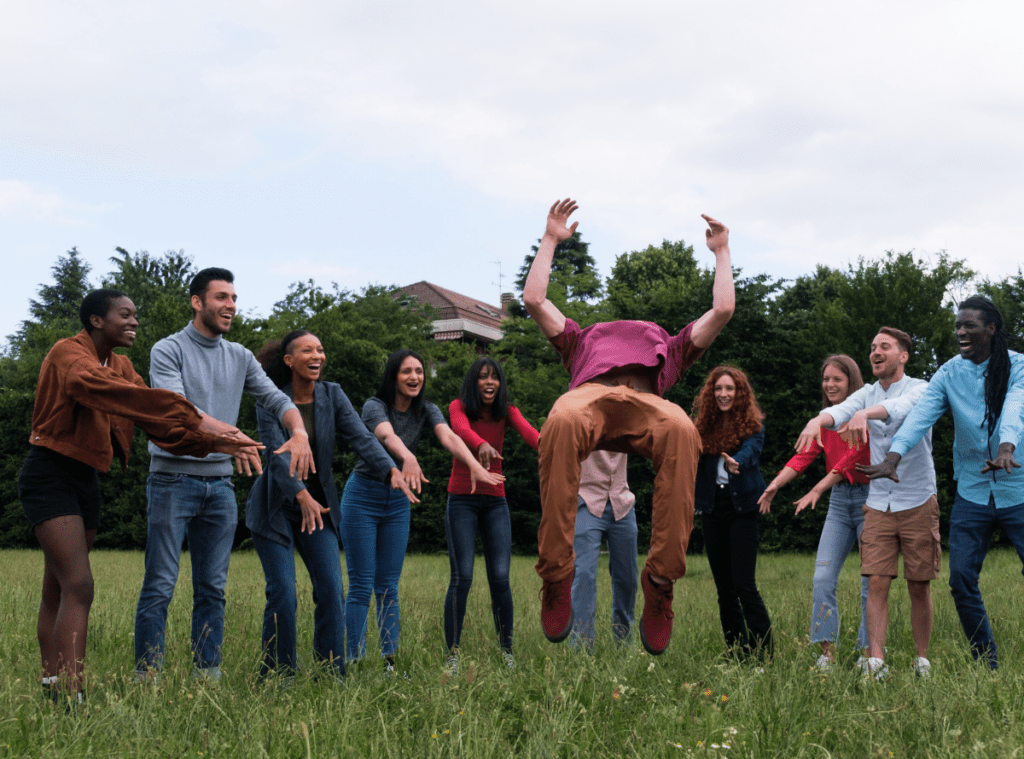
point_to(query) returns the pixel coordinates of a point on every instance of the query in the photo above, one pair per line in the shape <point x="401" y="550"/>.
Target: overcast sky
<point x="394" y="142"/>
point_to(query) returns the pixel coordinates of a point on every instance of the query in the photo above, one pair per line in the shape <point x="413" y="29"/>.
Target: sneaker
<point x="451" y="664"/>
<point x="656" y="621"/>
<point x="922" y="667"/>
<point x="389" y="665"/>
<point x="209" y="675"/>
<point x="875" y="668"/>
<point x="824" y="664"/>
<point x="556" y="616"/>
<point x="510" y="660"/>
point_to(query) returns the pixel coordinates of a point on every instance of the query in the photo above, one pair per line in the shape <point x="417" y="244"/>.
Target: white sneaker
<point x="922" y="667"/>
<point x="510" y="660"/>
<point x="824" y="664"/>
<point x="451" y="664"/>
<point x="875" y="668"/>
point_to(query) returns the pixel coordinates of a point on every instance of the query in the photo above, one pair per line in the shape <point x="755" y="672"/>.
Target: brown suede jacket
<point x="82" y="407"/>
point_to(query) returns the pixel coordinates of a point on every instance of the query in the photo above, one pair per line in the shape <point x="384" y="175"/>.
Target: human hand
<point x="246" y="461"/>
<point x="731" y="465"/>
<point x="398" y="482"/>
<point x="477" y="475"/>
<point x="1004" y="460"/>
<point x="558" y="216"/>
<point x="885" y="469"/>
<point x="413" y="474"/>
<point x="301" y="465"/>
<point x="717" y="234"/>
<point x="312" y="513"/>
<point x="811" y="499"/>
<point x="485" y="453"/>
<point x="810" y="435"/>
<point x="855" y="432"/>
<point x="765" y="501"/>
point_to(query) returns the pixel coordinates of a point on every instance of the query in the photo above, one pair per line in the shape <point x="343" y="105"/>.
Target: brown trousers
<point x="592" y="417"/>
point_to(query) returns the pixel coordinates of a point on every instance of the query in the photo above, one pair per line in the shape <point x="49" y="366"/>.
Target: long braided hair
<point x="997" y="377"/>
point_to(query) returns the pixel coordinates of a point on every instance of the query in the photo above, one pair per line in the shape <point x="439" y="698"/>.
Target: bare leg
<point x="878" y="614"/>
<point x="67" y="598"/>
<point x="920" y="614"/>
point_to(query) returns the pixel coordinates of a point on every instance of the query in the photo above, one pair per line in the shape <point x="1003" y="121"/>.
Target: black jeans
<point x="731" y="543"/>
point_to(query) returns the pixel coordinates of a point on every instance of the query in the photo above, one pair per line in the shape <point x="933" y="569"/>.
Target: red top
<point x="590" y="352"/>
<point x="475" y="434"/>
<point x="839" y="457"/>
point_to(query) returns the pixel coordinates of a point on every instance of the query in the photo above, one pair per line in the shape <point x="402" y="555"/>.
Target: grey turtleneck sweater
<point x="212" y="373"/>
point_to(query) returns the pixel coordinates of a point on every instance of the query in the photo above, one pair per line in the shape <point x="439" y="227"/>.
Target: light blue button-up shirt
<point x="916" y="469"/>
<point x="960" y="385"/>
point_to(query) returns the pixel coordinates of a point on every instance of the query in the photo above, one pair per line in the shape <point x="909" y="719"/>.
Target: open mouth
<point x="130" y="333"/>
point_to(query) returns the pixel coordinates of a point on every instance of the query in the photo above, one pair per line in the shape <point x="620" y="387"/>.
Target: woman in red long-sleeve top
<point x="480" y="416"/>
<point x="840" y="377"/>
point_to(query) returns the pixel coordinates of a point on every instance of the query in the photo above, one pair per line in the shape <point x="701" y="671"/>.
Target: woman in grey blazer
<point x="286" y="514"/>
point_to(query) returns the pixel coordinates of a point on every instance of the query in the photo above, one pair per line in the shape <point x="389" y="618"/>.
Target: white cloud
<point x="31" y="202"/>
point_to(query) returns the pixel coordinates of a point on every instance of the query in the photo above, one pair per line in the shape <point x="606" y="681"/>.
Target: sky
<point x="388" y="143"/>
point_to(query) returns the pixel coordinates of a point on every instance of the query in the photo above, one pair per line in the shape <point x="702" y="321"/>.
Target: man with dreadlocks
<point x="984" y="388"/>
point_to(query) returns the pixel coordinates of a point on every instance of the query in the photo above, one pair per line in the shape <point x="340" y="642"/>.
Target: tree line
<point x="781" y="331"/>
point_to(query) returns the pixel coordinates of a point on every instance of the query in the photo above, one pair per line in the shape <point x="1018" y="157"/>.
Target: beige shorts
<point x="914" y="533"/>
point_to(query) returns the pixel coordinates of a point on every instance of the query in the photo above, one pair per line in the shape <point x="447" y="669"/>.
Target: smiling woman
<point x="87" y="401"/>
<point x="375" y="526"/>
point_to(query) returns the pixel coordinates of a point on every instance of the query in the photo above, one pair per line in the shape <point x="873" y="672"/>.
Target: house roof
<point x="458" y="315"/>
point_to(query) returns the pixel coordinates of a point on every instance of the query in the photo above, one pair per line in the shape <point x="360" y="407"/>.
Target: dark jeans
<point x="463" y="517"/>
<point x="320" y="553"/>
<point x="970" y="531"/>
<point x="731" y="543"/>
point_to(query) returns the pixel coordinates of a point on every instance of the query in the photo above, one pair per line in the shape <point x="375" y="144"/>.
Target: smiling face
<point x="215" y="308"/>
<point x="305" y="357"/>
<point x="835" y="383"/>
<point x="487" y="383"/>
<point x="725" y="392"/>
<point x="410" y="378"/>
<point x="887" y="358"/>
<point x="973" y="335"/>
<point x="120" y="325"/>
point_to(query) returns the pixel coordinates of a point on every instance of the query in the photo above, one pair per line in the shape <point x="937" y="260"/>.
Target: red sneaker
<point x="556" y="609"/>
<point x="656" y="622"/>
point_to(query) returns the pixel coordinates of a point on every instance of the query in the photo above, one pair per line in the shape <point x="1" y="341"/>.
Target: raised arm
<point x="535" y="292"/>
<point x="723" y="303"/>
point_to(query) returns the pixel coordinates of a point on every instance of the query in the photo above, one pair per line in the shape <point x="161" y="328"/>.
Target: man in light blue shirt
<point x="984" y="388"/>
<point x="902" y="517"/>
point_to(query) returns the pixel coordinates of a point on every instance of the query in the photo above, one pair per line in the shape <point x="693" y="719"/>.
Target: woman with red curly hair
<point x="729" y="483"/>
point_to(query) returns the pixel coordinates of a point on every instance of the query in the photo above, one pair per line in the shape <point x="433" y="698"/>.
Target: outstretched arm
<point x="707" y="327"/>
<point x="535" y="292"/>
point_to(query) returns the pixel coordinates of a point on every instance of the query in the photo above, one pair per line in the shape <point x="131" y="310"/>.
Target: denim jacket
<point x="745" y="487"/>
<point x="334" y="415"/>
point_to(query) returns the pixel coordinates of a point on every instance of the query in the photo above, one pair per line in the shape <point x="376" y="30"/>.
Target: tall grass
<point x="618" y="702"/>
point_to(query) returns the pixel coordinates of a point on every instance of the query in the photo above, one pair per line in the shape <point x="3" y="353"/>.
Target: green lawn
<point x="554" y="704"/>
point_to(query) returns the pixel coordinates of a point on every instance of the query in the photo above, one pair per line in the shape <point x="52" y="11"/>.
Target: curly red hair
<point x="725" y="433"/>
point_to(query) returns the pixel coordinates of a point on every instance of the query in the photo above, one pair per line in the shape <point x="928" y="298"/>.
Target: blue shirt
<point x="917" y="469"/>
<point x="960" y="385"/>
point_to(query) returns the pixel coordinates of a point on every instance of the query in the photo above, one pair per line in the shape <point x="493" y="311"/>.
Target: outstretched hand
<point x="485" y="453"/>
<point x="1004" y="460"/>
<point x="717" y="234"/>
<point x="558" y="217"/>
<point x="887" y="468"/>
<point x="229" y="439"/>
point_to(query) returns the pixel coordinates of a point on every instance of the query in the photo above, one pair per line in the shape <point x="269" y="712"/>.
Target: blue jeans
<point x="970" y="530"/>
<point x="375" y="531"/>
<point x="843" y="525"/>
<point x="621" y="537"/>
<point x="319" y="552"/>
<point x="464" y="515"/>
<point x="205" y="509"/>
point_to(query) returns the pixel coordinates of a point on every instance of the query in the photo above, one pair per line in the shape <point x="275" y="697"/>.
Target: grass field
<point x="620" y="702"/>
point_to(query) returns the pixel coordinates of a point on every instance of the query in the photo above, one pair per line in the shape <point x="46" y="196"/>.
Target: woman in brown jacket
<point x="87" y="402"/>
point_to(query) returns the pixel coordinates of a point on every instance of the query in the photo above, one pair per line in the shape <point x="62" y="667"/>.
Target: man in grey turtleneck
<point x="195" y="496"/>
